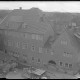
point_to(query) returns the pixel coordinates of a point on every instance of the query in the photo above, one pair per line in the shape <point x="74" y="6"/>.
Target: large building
<point x="26" y="35"/>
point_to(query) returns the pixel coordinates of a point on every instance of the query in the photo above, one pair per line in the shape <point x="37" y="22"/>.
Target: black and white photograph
<point x="39" y="39"/>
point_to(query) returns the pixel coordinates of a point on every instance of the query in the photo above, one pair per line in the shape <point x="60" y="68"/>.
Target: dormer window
<point x="14" y="25"/>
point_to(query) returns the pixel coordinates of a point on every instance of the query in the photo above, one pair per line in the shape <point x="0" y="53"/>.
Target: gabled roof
<point x="30" y="17"/>
<point x="65" y="43"/>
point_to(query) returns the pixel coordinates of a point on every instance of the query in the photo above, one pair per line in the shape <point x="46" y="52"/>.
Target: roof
<point x="16" y="18"/>
<point x="0" y="20"/>
<point x="65" y="38"/>
<point x="29" y="17"/>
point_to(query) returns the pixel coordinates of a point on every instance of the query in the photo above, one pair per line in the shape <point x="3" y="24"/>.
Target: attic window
<point x="14" y="25"/>
<point x="16" y="18"/>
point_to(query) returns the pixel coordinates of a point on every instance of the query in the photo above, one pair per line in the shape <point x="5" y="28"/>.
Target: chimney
<point x="20" y="8"/>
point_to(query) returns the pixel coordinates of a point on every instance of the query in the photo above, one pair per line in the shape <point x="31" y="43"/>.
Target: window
<point x="40" y="37"/>
<point x="16" y="54"/>
<point x="32" y="58"/>
<point x="9" y="43"/>
<point x="40" y="50"/>
<point x="17" y="44"/>
<point x="70" y="65"/>
<point x="66" y="64"/>
<point x="52" y="53"/>
<point x="33" y="36"/>
<point x="37" y="37"/>
<point x="63" y="42"/>
<point x="10" y="53"/>
<point x="67" y="54"/>
<point x="73" y="24"/>
<point x="32" y="48"/>
<point x="5" y="32"/>
<point x="38" y="60"/>
<point x="14" y="25"/>
<point x="52" y="62"/>
<point x="26" y="35"/>
<point x="24" y="25"/>
<point x="24" y="45"/>
<point x="61" y="63"/>
<point x="5" y="51"/>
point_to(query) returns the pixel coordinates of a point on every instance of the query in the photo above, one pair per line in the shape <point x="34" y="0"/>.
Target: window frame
<point x="40" y="50"/>
<point x="9" y="43"/>
<point x="32" y="46"/>
<point x="25" y="45"/>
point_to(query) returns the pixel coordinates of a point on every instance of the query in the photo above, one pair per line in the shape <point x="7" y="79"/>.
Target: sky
<point x="47" y="6"/>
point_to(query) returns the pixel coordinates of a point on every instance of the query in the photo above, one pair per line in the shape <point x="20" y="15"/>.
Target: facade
<point x="28" y="38"/>
<point x="25" y="38"/>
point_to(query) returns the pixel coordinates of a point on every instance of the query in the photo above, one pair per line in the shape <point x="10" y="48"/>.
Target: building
<point x="25" y="35"/>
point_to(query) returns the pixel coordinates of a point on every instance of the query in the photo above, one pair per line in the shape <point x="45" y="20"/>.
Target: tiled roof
<point x="30" y="17"/>
<point x="16" y="18"/>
